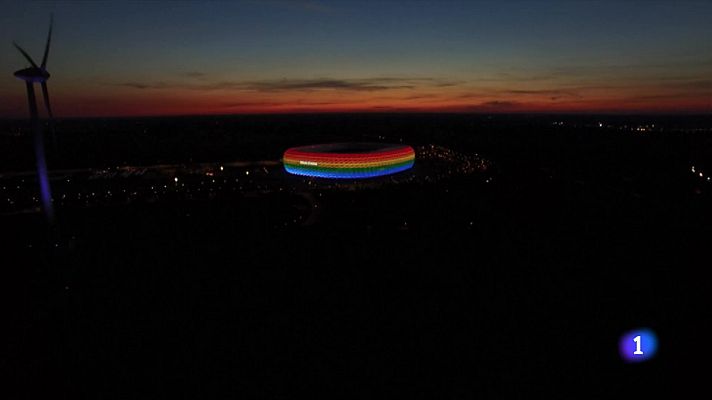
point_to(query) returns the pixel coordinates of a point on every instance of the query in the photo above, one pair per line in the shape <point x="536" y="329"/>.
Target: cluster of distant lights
<point x="94" y="191"/>
<point x="645" y="128"/>
<point x="699" y="173"/>
<point x="630" y="128"/>
<point x="128" y="184"/>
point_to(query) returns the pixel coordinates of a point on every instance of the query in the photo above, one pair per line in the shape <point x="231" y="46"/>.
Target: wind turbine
<point x="32" y="75"/>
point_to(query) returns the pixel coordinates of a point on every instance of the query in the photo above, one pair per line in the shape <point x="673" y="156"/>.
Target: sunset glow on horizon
<point x="184" y="58"/>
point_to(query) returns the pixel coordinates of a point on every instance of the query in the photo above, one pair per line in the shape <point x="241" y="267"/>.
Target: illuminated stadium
<point x="348" y="160"/>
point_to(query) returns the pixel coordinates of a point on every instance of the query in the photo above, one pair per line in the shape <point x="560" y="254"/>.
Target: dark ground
<point x="520" y="286"/>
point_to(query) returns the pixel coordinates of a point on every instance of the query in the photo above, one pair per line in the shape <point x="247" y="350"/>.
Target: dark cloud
<point x="666" y="96"/>
<point x="165" y="85"/>
<point x="625" y="72"/>
<point x="194" y="74"/>
<point x="468" y="95"/>
<point x="635" y="68"/>
<point x="516" y="77"/>
<point x="695" y="84"/>
<point x="499" y="104"/>
<point x="419" y="96"/>
<point x="551" y="93"/>
<point x="139" y="85"/>
<point x="365" y="84"/>
<point x="328" y="84"/>
<point x="519" y="91"/>
<point x="298" y="103"/>
<point x="238" y="104"/>
<point x="446" y="84"/>
<point x="557" y="93"/>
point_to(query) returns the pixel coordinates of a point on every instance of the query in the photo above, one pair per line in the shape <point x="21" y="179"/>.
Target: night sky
<point x="172" y="58"/>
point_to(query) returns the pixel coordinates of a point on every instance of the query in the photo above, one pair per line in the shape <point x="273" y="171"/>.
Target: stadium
<point x="348" y="160"/>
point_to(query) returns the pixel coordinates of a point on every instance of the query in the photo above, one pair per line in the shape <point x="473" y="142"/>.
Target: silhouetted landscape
<point x="508" y="261"/>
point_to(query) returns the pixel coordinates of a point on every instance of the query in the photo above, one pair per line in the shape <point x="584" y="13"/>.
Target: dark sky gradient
<point x="166" y="58"/>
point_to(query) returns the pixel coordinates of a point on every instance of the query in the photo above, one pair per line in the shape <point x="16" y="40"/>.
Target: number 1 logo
<point x="638" y="345"/>
<point x="638" y="351"/>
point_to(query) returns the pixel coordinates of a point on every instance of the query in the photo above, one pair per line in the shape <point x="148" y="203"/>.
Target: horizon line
<point x="395" y="112"/>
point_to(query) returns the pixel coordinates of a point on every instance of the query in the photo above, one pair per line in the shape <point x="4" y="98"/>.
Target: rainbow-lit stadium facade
<point x="348" y="160"/>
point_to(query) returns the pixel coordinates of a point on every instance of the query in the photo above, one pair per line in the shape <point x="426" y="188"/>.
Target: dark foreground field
<point x="521" y="285"/>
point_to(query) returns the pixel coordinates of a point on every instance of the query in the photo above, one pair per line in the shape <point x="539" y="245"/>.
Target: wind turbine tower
<point x="31" y="75"/>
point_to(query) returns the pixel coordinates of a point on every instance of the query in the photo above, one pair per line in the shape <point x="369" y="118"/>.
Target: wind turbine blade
<point x="24" y="53"/>
<point x="45" y="94"/>
<point x="49" y="40"/>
